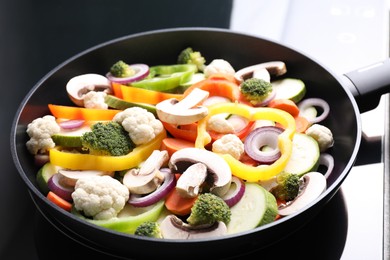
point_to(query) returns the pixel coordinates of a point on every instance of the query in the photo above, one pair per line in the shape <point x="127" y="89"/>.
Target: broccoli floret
<point x="189" y="56"/>
<point x="287" y="186"/>
<point x="149" y="229"/>
<point x="107" y="139"/>
<point x="208" y="209"/>
<point x="255" y="90"/>
<point x="121" y="69"/>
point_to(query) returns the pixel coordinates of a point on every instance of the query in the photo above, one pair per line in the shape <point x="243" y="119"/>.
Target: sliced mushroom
<point x="276" y="68"/>
<point x="185" y="111"/>
<point x="173" y="227"/>
<point x="189" y="183"/>
<point x="219" y="175"/>
<point x="261" y="73"/>
<point x="147" y="178"/>
<point x="70" y="177"/>
<point x="80" y="85"/>
<point x="314" y="184"/>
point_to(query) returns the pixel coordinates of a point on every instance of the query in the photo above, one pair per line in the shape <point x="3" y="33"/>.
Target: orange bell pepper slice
<point x="217" y="86"/>
<point x="88" y="114"/>
<point x="140" y="95"/>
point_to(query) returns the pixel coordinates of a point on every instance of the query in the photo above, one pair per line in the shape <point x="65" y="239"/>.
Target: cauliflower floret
<point x="140" y="123"/>
<point x="95" y="99"/>
<point x="218" y="66"/>
<point x="229" y="144"/>
<point x="219" y="124"/>
<point x="322" y="135"/>
<point x="40" y="131"/>
<point x="100" y="197"/>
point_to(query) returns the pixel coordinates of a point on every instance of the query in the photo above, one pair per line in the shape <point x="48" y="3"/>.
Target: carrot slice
<point x="66" y="205"/>
<point x="177" y="204"/>
<point x="285" y="105"/>
<point x="174" y="144"/>
<point x="301" y="124"/>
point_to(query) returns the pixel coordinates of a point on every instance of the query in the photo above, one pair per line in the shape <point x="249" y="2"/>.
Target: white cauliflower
<point x="218" y="66"/>
<point x="229" y="144"/>
<point x="140" y="123"/>
<point x="220" y="124"/>
<point x="322" y="135"/>
<point x="100" y="197"/>
<point x="40" y="131"/>
<point x="95" y="99"/>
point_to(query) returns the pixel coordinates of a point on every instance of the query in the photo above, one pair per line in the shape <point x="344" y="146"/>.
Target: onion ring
<point x="141" y="71"/>
<point x="153" y="197"/>
<point x="327" y="160"/>
<point x="260" y="137"/>
<point x="233" y="196"/>
<point x="315" y="102"/>
<point x="71" y="124"/>
<point x="59" y="189"/>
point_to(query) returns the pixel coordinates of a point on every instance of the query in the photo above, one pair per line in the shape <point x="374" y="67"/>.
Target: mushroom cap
<point x="70" y="177"/>
<point x="78" y="86"/>
<point x="173" y="227"/>
<point x="276" y="68"/>
<point x="314" y="184"/>
<point x="219" y="174"/>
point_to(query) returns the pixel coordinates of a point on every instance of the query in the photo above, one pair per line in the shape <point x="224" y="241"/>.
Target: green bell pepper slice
<point x="165" y="78"/>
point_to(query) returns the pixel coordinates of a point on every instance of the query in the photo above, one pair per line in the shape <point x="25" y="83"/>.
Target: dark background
<point x="36" y="36"/>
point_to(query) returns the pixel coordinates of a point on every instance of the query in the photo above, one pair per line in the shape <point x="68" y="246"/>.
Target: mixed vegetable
<point x="183" y="151"/>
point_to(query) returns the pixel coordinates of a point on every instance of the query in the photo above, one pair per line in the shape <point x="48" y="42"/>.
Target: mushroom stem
<point x="155" y="161"/>
<point x="147" y="178"/>
<point x="185" y="111"/>
<point x="189" y="183"/>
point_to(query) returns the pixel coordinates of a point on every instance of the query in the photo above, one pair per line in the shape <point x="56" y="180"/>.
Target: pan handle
<point x="368" y="84"/>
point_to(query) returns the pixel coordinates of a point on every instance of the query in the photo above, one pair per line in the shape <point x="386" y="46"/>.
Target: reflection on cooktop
<point x="322" y="238"/>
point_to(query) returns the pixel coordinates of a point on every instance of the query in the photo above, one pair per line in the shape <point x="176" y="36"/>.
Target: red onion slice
<point x="237" y="190"/>
<point x="141" y="71"/>
<point x="265" y="136"/>
<point x="59" y="189"/>
<point x="147" y="200"/>
<point x="327" y="160"/>
<point x="71" y="124"/>
<point x="315" y="102"/>
<point x="41" y="159"/>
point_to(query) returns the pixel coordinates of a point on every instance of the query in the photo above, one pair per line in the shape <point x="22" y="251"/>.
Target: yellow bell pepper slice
<point x="79" y="161"/>
<point x="239" y="169"/>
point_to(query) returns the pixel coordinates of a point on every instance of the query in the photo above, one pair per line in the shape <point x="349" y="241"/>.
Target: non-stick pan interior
<point x="162" y="47"/>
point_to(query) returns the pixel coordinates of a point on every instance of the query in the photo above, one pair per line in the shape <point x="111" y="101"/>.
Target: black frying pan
<point x="241" y="50"/>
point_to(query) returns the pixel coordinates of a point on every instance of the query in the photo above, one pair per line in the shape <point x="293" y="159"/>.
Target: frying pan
<point x="348" y="95"/>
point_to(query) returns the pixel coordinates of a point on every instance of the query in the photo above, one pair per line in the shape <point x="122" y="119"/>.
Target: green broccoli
<point x="208" y="209"/>
<point x="189" y="56"/>
<point x="107" y="139"/>
<point x="255" y="90"/>
<point x="287" y="186"/>
<point x="149" y="229"/>
<point x="121" y="69"/>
